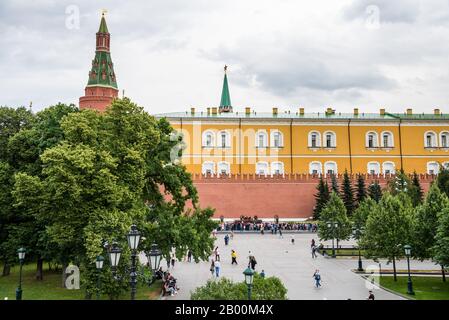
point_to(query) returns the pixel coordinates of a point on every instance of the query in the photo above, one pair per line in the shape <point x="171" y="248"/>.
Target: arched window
<point x="223" y="139"/>
<point x="330" y="139"/>
<point x="430" y="139"/>
<point x="208" y="167"/>
<point x="388" y="168"/>
<point x="444" y="139"/>
<point x="262" y="168"/>
<point x="277" y="139"/>
<point x="224" y="168"/>
<point x="330" y="167"/>
<point x="371" y="139"/>
<point x="261" y="139"/>
<point x="208" y="139"/>
<point x="314" y="139"/>
<point x="315" y="167"/>
<point x="387" y="139"/>
<point x="373" y="167"/>
<point x="433" y="167"/>
<point x="277" y="167"/>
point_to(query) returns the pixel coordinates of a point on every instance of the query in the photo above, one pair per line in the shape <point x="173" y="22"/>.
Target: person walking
<point x="217" y="268"/>
<point x="212" y="267"/>
<point x="189" y="256"/>
<point x="173" y="261"/>
<point x="317" y="278"/>
<point x="252" y="261"/>
<point x="233" y="257"/>
<point x="217" y="254"/>
<point x="293" y="240"/>
<point x="371" y="296"/>
<point x="232" y="234"/>
<point x="312" y="244"/>
<point x="262" y="274"/>
<point x="280" y="233"/>
<point x="314" y="252"/>
<point x="226" y="239"/>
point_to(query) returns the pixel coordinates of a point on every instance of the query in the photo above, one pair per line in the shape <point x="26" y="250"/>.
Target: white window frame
<point x="373" y="163"/>
<point x="222" y="164"/>
<point x="312" y="166"/>
<point x="204" y="168"/>
<point x="273" y="167"/>
<point x="445" y="134"/>
<point x="434" y="140"/>
<point x="433" y="163"/>
<point x="205" y="134"/>
<point x="318" y="139"/>
<point x="219" y="139"/>
<point x="333" y="139"/>
<point x="266" y="165"/>
<point x="265" y="138"/>
<point x="390" y="139"/>
<point x="375" y="139"/>
<point x="386" y="163"/>
<point x="272" y="139"/>
<point x="332" y="164"/>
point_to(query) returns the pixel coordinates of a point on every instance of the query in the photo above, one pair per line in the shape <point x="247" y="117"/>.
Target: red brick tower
<point x="101" y="88"/>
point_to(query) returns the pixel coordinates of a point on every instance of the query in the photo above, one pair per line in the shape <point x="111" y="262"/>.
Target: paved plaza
<point x="293" y="264"/>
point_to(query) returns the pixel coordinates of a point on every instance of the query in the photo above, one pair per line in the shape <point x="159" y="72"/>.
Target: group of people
<point x="266" y="226"/>
<point x="170" y="286"/>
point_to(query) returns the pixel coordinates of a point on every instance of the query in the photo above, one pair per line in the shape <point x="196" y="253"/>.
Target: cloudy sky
<point x="169" y="54"/>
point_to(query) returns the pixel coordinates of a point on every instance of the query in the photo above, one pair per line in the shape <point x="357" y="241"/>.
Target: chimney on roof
<point x="301" y="111"/>
<point x="208" y="111"/>
<point x="192" y="110"/>
<point x="275" y="111"/>
<point x="409" y="112"/>
<point x="356" y="111"/>
<point x="247" y="111"/>
<point x="437" y="112"/>
<point x="214" y="110"/>
<point x="382" y="112"/>
<point x="330" y="111"/>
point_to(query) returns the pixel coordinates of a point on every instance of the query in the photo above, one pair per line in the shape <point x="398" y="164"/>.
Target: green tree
<point x="389" y="228"/>
<point x="270" y="288"/>
<point x="347" y="194"/>
<point x="334" y="184"/>
<point x="321" y="198"/>
<point x="375" y="191"/>
<point x="441" y="249"/>
<point x="360" y="216"/>
<point x="443" y="179"/>
<point x="426" y="225"/>
<point x="335" y="213"/>
<point x="416" y="192"/>
<point x="361" y="189"/>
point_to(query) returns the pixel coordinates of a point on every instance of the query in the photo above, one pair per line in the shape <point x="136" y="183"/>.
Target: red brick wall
<point x="249" y="195"/>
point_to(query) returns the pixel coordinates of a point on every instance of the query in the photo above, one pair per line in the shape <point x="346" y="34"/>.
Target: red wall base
<point x="288" y="197"/>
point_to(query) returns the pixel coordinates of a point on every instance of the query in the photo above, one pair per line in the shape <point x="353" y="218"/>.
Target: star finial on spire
<point x="103" y="12"/>
<point x="225" y="68"/>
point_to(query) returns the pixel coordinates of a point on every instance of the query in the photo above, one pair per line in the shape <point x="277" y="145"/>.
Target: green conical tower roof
<point x="103" y="26"/>
<point x="225" y="96"/>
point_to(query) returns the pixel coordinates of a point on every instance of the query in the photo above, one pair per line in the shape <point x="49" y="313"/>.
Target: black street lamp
<point x="332" y="226"/>
<point x="99" y="264"/>
<point x="357" y="234"/>
<point x="114" y="256"/>
<point x="408" y="251"/>
<point x="133" y="242"/>
<point x="21" y="252"/>
<point x="154" y="257"/>
<point x="249" y="276"/>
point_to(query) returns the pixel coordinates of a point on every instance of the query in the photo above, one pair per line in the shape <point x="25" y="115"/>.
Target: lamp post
<point x="332" y="226"/>
<point x="21" y="252"/>
<point x="154" y="258"/>
<point x="99" y="264"/>
<point x="408" y="251"/>
<point x="133" y="242"/>
<point x="249" y="276"/>
<point x="357" y="232"/>
<point x="114" y="256"/>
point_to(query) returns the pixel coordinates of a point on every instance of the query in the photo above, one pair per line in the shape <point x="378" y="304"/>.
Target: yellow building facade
<point x="226" y="141"/>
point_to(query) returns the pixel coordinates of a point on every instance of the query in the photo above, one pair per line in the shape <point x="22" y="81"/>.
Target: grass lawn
<point x="50" y="287"/>
<point x="426" y="288"/>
